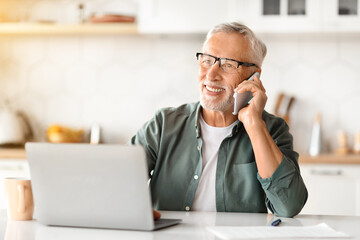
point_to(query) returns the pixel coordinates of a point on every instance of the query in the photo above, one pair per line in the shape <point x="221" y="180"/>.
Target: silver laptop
<point x="83" y="185"/>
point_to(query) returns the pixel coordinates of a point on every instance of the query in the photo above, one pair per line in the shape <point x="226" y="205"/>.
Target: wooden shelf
<point x="331" y="159"/>
<point x="19" y="153"/>
<point x="12" y="153"/>
<point x="67" y="29"/>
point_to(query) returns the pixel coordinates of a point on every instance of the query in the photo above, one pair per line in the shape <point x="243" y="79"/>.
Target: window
<point x="271" y="7"/>
<point x="296" y="7"/>
<point x="348" y="7"/>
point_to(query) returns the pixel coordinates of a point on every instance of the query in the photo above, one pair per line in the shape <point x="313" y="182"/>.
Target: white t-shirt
<point x="212" y="137"/>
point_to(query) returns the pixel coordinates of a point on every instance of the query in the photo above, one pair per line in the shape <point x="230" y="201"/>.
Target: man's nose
<point x="214" y="71"/>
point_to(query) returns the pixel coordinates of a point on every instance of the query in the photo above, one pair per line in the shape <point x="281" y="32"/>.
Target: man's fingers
<point x="251" y="86"/>
<point x="257" y="80"/>
<point x="156" y="214"/>
<point x="247" y="86"/>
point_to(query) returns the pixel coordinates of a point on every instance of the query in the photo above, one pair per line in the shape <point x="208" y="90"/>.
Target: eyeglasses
<point x="226" y="64"/>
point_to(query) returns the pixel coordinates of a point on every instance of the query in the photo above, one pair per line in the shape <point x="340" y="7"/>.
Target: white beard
<point x="214" y="104"/>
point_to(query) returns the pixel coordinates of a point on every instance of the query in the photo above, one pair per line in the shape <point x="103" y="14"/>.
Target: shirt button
<point x="198" y="148"/>
<point x="187" y="208"/>
<point x="196" y="177"/>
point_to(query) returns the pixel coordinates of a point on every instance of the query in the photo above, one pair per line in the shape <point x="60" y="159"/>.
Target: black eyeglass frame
<point x="217" y="59"/>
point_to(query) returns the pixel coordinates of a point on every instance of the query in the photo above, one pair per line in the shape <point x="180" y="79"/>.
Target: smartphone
<point x="242" y="99"/>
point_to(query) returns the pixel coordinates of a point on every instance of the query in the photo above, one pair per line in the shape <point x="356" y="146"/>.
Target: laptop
<point x="96" y="186"/>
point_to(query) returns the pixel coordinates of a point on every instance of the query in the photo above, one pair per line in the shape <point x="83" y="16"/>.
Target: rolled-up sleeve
<point x="286" y="193"/>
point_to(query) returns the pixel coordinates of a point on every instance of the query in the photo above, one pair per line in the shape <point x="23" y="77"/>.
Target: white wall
<point x="120" y="81"/>
<point x="321" y="72"/>
<point x="116" y="81"/>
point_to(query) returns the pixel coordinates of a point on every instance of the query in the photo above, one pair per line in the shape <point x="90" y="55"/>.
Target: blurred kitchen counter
<point x="12" y="153"/>
<point x="19" y="153"/>
<point x="331" y="159"/>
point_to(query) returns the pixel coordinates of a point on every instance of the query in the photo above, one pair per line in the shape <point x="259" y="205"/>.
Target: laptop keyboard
<point x="163" y="222"/>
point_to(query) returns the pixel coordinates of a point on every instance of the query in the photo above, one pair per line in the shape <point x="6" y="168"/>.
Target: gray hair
<point x="258" y="46"/>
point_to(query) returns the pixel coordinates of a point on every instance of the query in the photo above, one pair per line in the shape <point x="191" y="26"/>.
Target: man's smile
<point x="214" y="89"/>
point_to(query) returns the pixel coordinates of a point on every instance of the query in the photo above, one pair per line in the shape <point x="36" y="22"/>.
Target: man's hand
<point x="157" y="214"/>
<point x="252" y="114"/>
<point x="267" y="154"/>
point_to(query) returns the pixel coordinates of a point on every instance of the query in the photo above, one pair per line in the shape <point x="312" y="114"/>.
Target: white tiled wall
<point x="321" y="72"/>
<point x="120" y="81"/>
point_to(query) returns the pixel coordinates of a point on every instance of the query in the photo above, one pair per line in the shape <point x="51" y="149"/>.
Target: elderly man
<point x="201" y="157"/>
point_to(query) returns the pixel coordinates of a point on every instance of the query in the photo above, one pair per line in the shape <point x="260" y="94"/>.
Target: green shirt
<point x="172" y="141"/>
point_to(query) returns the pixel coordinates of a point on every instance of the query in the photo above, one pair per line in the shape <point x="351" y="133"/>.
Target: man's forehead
<point x="229" y="45"/>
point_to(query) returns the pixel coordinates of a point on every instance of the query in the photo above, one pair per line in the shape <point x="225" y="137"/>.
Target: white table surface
<point x="193" y="227"/>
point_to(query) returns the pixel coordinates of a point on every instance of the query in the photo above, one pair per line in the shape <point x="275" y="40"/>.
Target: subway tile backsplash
<point x="120" y="81"/>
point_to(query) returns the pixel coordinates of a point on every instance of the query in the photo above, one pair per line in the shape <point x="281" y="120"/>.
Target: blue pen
<point x="276" y="222"/>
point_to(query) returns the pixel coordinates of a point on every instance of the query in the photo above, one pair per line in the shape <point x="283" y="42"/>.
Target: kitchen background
<point x="59" y="70"/>
<point x="120" y="80"/>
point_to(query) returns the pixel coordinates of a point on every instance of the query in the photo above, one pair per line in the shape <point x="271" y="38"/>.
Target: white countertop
<point x="192" y="227"/>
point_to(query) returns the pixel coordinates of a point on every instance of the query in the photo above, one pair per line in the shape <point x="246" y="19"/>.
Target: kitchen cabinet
<point x="263" y="16"/>
<point x="341" y="14"/>
<point x="292" y="16"/>
<point x="186" y="16"/>
<point x="334" y="189"/>
<point x="272" y="16"/>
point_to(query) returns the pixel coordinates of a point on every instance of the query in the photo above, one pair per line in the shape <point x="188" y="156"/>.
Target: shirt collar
<point x="235" y="129"/>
